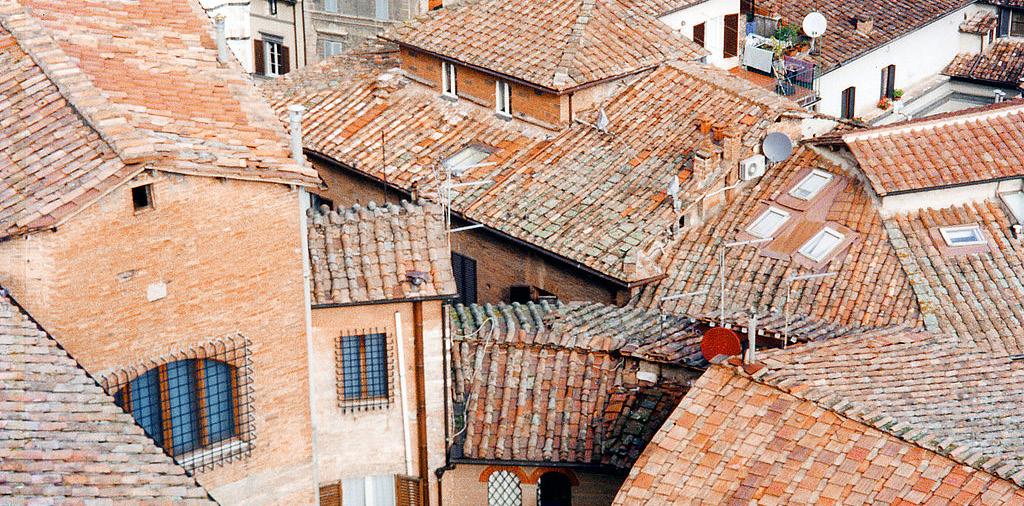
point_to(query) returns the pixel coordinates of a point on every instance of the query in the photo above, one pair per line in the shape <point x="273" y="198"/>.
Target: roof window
<point x="768" y="223"/>
<point x="822" y="244"/>
<point x="468" y="158"/>
<point x="968" y="235"/>
<point x="811" y="185"/>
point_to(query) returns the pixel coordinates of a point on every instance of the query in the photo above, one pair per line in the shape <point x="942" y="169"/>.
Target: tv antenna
<point x="814" y="26"/>
<point x="777" y="147"/>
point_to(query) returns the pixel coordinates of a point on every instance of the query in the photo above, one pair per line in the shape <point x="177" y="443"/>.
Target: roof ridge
<point x="572" y="46"/>
<point x="371" y="210"/>
<point x="74" y="85"/>
<point x="958" y="452"/>
<point x="1008" y="108"/>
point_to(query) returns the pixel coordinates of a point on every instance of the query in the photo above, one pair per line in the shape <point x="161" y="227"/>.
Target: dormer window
<point x="968" y="235"/>
<point x="448" y="81"/>
<point x="768" y="223"/>
<point x="811" y="185"/>
<point x="822" y="244"/>
<point x="466" y="159"/>
<point x="503" y="97"/>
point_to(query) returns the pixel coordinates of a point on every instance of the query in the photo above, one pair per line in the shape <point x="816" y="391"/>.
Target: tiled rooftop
<point x="554" y="44"/>
<point x="1001" y="64"/>
<point x="980" y="23"/>
<point x="734" y="439"/>
<point x="540" y="194"/>
<point x="62" y="438"/>
<point x="379" y="253"/>
<point x="546" y="383"/>
<point x="926" y="381"/>
<point x="96" y="92"/>
<point x="660" y="8"/>
<point x="970" y="146"/>
<point x="973" y="295"/>
<point x="842" y="42"/>
<point x="869" y="288"/>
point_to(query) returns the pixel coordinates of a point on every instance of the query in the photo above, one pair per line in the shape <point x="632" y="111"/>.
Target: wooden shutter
<point x="330" y="495"/>
<point x="732" y="34"/>
<point x="890" y="82"/>
<point x="259" y="67"/>
<point x="408" y="491"/>
<point x="285" y="60"/>
<point x="849" y="102"/>
<point x="746" y="7"/>
<point x="465" y="277"/>
<point x="698" y="34"/>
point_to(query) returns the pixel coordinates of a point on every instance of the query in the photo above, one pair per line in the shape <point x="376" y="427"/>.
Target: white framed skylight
<point x="811" y="184"/>
<point x="768" y="223"/>
<point x="822" y="244"/>
<point x="966" y="235"/>
<point x="465" y="159"/>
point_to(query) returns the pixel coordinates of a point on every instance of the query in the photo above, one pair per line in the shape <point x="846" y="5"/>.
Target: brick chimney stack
<point x="704" y="124"/>
<point x="731" y="152"/>
<point x="865" y="24"/>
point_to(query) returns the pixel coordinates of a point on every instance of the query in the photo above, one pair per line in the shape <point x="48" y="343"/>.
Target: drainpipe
<point x="303" y="206"/>
<point x="222" y="42"/>
<point x="403" y="388"/>
<point x="421" y="401"/>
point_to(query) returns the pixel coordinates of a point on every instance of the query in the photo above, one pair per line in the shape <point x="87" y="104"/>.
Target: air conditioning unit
<point x="752" y="168"/>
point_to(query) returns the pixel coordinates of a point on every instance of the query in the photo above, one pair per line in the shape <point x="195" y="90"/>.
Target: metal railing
<point x="797" y="79"/>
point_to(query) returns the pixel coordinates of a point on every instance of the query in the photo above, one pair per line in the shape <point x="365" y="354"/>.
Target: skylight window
<point x="768" y="223"/>
<point x="466" y="159"/>
<point x="969" y="235"/>
<point x="810" y="185"/>
<point x="822" y="244"/>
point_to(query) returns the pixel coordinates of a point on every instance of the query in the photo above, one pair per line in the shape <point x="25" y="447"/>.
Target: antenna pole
<point x="384" y="166"/>
<point x="752" y="337"/>
<point x="721" y="270"/>
<point x="785" y="305"/>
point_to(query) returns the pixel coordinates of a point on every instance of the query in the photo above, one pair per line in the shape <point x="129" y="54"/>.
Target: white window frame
<point x="808" y="248"/>
<point x="949" y="235"/>
<point x="449" y="80"/>
<point x="465" y="159"/>
<point x="814" y="174"/>
<point x="272" y="56"/>
<point x="753" y="228"/>
<point x="332" y="48"/>
<point x="503" y="97"/>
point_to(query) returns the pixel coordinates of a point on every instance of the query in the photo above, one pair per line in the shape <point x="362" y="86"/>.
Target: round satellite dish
<point x="815" y="24"/>
<point x="720" y="341"/>
<point x="777" y="147"/>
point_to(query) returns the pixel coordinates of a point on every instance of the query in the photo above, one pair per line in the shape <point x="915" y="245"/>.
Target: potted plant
<point x="897" y="94"/>
<point x="787" y="34"/>
<point x="884" y="103"/>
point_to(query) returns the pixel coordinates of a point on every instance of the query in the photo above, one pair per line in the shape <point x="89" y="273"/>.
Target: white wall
<point x="712" y="13"/>
<point x="918" y="56"/>
<point x="237" y="27"/>
<point x="946" y="197"/>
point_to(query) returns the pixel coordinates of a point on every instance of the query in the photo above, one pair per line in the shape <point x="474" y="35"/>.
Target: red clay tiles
<point x="1002" y="64"/>
<point x="62" y="438"/>
<point x="379" y="253"/>
<point x="555" y="44"/>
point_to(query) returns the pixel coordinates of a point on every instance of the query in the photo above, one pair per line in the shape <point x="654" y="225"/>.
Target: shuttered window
<point x="888" y="89"/>
<point x="732" y="27"/>
<point x="698" y="34"/>
<point x="465" y="278"/>
<point x="849" y="103"/>
<point x="330" y="495"/>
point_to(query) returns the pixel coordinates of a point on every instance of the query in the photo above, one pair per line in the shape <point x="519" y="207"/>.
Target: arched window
<point x="554" y="489"/>
<point x="503" y="489"/>
<point x="184" y="405"/>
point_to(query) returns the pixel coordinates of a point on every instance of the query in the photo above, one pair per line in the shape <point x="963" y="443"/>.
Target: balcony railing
<point x="797" y="79"/>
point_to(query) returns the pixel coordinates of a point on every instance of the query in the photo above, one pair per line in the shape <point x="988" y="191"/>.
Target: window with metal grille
<point x="364" y="371"/>
<point x="197" y="409"/>
<point x="408" y="491"/>
<point x="503" y="489"/>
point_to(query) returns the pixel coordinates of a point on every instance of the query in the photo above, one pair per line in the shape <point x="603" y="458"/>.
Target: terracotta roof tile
<point x="870" y="288"/>
<point x="547" y="383"/>
<point x="1002" y="64"/>
<point x="660" y="8"/>
<point x="980" y="23"/>
<point x="734" y="438"/>
<point x="976" y="296"/>
<point x="98" y="92"/>
<point x="970" y="146"/>
<point x="62" y="438"/>
<point x="372" y="253"/>
<point x="842" y="43"/>
<point x="555" y="44"/>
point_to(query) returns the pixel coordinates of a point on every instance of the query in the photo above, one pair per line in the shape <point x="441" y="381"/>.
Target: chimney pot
<point x="865" y="24"/>
<point x="295" y="129"/>
<point x="718" y="133"/>
<point x="704" y="124"/>
<point x="222" y="41"/>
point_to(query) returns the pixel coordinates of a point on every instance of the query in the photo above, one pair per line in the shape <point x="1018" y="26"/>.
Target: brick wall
<point x="463" y="485"/>
<point x="501" y="263"/>
<point x="422" y="65"/>
<point x="229" y="254"/>
<point x="376" y="435"/>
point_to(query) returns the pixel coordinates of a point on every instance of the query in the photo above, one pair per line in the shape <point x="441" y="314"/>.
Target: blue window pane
<point x="220" y="404"/>
<point x="181" y="390"/>
<point x="145" y="401"/>
<point x="376" y="366"/>
<point x="351" y="367"/>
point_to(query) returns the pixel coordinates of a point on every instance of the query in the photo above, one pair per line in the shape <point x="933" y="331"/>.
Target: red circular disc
<point x="720" y="341"/>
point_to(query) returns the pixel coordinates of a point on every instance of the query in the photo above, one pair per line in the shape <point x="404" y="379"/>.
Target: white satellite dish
<point x="777" y="147"/>
<point x="814" y="26"/>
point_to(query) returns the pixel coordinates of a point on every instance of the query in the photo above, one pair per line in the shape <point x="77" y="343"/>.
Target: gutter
<point x="600" y="468"/>
<point x="329" y="305"/>
<point x="951" y="185"/>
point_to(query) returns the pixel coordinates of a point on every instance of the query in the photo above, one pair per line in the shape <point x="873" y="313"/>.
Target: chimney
<point x="222" y="40"/>
<point x="718" y="133"/>
<point x="704" y="124"/>
<point x="1000" y="96"/>
<point x="752" y="338"/>
<point x="703" y="163"/>
<point x="295" y="128"/>
<point x="731" y="159"/>
<point x="865" y="24"/>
